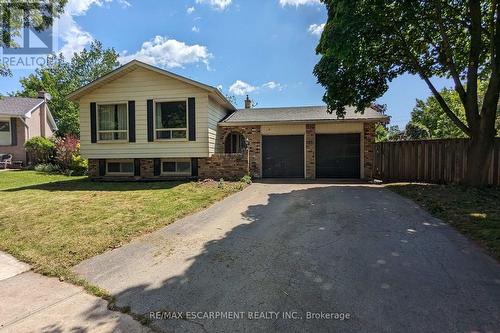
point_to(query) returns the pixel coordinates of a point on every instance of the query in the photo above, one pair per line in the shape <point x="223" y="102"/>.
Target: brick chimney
<point x="248" y="103"/>
<point x="43" y="112"/>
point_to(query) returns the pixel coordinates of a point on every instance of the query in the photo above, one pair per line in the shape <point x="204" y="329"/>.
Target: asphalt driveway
<point x="353" y="252"/>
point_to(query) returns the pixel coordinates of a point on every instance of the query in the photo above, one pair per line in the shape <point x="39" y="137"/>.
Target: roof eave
<point x="284" y="122"/>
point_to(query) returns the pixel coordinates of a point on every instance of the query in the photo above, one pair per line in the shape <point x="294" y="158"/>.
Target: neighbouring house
<point x="143" y="122"/>
<point x="22" y="118"/>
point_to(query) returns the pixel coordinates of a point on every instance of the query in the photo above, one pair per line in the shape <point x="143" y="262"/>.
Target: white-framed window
<point x="171" y="120"/>
<point x="112" y="122"/>
<point x="5" y="134"/>
<point x="177" y="167"/>
<point x="120" y="168"/>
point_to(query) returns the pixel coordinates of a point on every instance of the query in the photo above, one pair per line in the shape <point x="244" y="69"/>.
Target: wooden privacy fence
<point x="441" y="161"/>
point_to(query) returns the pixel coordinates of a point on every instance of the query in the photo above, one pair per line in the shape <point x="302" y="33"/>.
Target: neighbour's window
<point x="235" y="143"/>
<point x="113" y="122"/>
<point x="171" y="120"/>
<point x="5" y="136"/>
<point x="181" y="167"/>
<point x="125" y="168"/>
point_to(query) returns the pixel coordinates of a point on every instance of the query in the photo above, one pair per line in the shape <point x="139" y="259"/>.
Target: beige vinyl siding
<point x="139" y="86"/>
<point x="215" y="114"/>
<point x="286" y="129"/>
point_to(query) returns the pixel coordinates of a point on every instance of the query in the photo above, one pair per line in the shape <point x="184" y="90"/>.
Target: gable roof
<point x="18" y="106"/>
<point x="134" y="64"/>
<point x="22" y="107"/>
<point x="301" y="114"/>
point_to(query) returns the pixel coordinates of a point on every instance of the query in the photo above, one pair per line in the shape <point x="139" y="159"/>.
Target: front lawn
<point x="54" y="222"/>
<point x="475" y="212"/>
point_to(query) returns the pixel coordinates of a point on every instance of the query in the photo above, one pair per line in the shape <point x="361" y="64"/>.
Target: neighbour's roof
<point x="301" y="114"/>
<point x="18" y="106"/>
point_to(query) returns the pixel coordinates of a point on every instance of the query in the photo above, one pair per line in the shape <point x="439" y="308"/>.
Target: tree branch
<point x="472" y="108"/>
<point x="491" y="96"/>
<point x="445" y="106"/>
<point x="449" y="57"/>
<point x="418" y="68"/>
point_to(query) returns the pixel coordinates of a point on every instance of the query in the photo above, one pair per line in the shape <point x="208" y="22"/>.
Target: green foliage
<point x="62" y="76"/>
<point x="78" y="166"/>
<point x="47" y="168"/>
<point x="247" y="179"/>
<point x="416" y="131"/>
<point x="40" y="150"/>
<point x="13" y="13"/>
<point x="381" y="133"/>
<point x="429" y="114"/>
<point x="366" y="44"/>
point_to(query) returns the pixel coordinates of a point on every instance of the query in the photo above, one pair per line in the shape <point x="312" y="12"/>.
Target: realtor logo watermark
<point x="29" y="37"/>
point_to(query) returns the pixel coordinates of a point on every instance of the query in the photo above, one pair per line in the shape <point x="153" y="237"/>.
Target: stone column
<point x="369" y="141"/>
<point x="310" y="151"/>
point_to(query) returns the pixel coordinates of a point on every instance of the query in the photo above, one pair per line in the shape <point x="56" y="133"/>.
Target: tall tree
<point x="367" y="43"/>
<point x="15" y="15"/>
<point x="62" y="76"/>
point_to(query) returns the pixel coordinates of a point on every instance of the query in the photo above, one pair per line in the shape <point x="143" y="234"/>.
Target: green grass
<point x="475" y="212"/>
<point x="53" y="222"/>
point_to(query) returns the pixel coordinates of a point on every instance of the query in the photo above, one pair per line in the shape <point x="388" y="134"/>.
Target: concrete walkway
<point x="276" y="251"/>
<point x="30" y="302"/>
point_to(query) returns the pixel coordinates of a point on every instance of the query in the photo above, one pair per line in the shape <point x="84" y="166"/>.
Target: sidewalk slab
<point x="31" y="302"/>
<point x="10" y="266"/>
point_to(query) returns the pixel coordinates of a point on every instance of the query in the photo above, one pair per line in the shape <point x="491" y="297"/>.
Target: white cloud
<point x="195" y="29"/>
<point x="297" y="3"/>
<point x="316" y="29"/>
<point x="169" y="53"/>
<point x="273" y="85"/>
<point x="217" y="4"/>
<point x="241" y="88"/>
<point x="190" y="10"/>
<point x="74" y="38"/>
<point x="124" y="3"/>
<point x="220" y="87"/>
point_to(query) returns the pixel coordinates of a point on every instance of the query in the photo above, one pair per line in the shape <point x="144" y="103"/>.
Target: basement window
<point x="120" y="168"/>
<point x="180" y="167"/>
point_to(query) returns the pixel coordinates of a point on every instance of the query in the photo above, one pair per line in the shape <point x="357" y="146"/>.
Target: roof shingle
<point x="18" y="106"/>
<point x="300" y="114"/>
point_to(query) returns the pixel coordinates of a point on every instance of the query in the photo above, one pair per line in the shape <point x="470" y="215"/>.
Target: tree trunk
<point x="479" y="156"/>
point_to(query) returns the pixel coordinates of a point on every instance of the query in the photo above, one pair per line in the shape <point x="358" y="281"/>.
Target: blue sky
<point x="265" y="48"/>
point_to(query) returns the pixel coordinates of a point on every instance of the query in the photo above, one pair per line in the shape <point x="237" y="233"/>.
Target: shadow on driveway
<point x="299" y="248"/>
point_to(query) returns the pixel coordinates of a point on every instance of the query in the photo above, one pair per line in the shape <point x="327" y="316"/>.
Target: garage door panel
<point x="338" y="155"/>
<point x="283" y="156"/>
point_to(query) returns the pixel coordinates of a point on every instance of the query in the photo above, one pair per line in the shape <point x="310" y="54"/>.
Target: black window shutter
<point x="93" y="122"/>
<point x="131" y="121"/>
<point x="194" y="167"/>
<point x="157" y="167"/>
<point x="13" y="131"/>
<point x="192" y="118"/>
<point x="102" y="167"/>
<point x="150" y="121"/>
<point x="137" y="167"/>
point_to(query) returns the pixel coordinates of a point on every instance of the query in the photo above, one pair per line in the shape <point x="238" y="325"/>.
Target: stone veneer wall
<point x="310" y="151"/>
<point x="254" y="137"/>
<point x="227" y="166"/>
<point x="147" y="168"/>
<point x="235" y="166"/>
<point x="93" y="168"/>
<point x="369" y="141"/>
